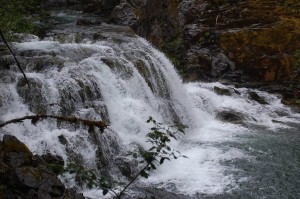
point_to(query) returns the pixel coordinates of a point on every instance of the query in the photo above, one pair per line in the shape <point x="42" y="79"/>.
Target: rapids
<point x="107" y="73"/>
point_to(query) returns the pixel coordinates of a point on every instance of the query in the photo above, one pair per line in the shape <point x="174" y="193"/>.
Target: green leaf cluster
<point x="15" y="15"/>
<point x="160" y="137"/>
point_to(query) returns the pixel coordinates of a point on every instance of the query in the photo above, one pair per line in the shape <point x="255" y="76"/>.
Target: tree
<point x="15" y="15"/>
<point x="15" y="18"/>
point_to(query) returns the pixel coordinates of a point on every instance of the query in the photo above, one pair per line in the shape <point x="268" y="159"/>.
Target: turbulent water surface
<point x="107" y="73"/>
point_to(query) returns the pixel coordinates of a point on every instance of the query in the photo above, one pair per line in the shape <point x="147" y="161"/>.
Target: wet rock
<point x="153" y="19"/>
<point x="254" y="96"/>
<point x="128" y="167"/>
<point x="108" y="6"/>
<point x="221" y="65"/>
<point x="33" y="95"/>
<point x="84" y="22"/>
<point x="62" y="140"/>
<point x="222" y="91"/>
<point x="230" y="116"/>
<point x="53" y="159"/>
<point x="124" y="14"/>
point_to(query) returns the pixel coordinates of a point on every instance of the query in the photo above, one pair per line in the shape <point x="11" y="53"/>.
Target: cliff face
<point x="210" y="39"/>
<point x="261" y="38"/>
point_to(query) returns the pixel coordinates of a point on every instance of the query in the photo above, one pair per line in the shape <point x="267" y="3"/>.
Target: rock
<point x="156" y="20"/>
<point x="14" y="152"/>
<point x="33" y="96"/>
<point x="84" y="22"/>
<point x="222" y="91"/>
<point x="230" y="116"/>
<point x="221" y="65"/>
<point x="254" y="96"/>
<point x="29" y="176"/>
<point x="124" y="14"/>
<point x="62" y="140"/>
<point x="108" y="6"/>
<point x="26" y="176"/>
<point x="53" y="159"/>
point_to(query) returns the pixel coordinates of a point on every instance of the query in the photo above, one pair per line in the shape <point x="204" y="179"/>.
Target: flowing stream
<point x="107" y="73"/>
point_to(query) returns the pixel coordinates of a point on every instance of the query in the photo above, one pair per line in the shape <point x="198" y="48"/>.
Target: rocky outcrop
<point x="156" y="20"/>
<point x="24" y="175"/>
<point x="261" y="38"/>
<point x="212" y="40"/>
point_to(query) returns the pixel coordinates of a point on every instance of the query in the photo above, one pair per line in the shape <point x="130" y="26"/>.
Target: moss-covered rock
<point x="222" y="91"/>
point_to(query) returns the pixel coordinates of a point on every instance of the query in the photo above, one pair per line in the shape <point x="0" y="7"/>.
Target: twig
<point x="18" y="64"/>
<point x="35" y="118"/>
<point x="122" y="192"/>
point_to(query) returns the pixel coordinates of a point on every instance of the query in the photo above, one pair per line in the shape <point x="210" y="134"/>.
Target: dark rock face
<point x="156" y="20"/>
<point x="24" y="175"/>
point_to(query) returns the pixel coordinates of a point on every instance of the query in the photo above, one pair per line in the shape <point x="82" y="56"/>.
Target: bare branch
<point x="10" y="50"/>
<point x="132" y="181"/>
<point x="71" y="119"/>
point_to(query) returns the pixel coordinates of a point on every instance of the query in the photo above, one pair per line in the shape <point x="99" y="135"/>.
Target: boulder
<point x="222" y="91"/>
<point x="254" y="96"/>
<point x="230" y="116"/>
<point x="24" y="175"/>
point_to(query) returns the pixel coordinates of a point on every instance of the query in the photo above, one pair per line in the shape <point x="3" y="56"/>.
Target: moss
<point x="16" y="146"/>
<point x="171" y="49"/>
<point x="56" y="168"/>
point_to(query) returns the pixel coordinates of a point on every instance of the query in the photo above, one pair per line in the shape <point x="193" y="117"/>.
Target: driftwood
<point x="13" y="54"/>
<point x="70" y="119"/>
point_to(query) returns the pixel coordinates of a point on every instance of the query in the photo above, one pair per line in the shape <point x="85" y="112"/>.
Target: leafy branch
<point x="159" y="137"/>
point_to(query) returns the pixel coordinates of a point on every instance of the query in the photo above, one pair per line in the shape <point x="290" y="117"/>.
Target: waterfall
<point x="108" y="73"/>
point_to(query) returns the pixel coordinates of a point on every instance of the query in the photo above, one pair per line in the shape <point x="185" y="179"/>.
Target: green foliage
<point x="84" y="177"/>
<point x="160" y="138"/>
<point x="56" y="168"/>
<point x="15" y="15"/>
<point x="171" y="49"/>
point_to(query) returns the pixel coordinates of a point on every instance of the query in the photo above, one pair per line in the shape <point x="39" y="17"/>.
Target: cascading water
<point x="107" y="73"/>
